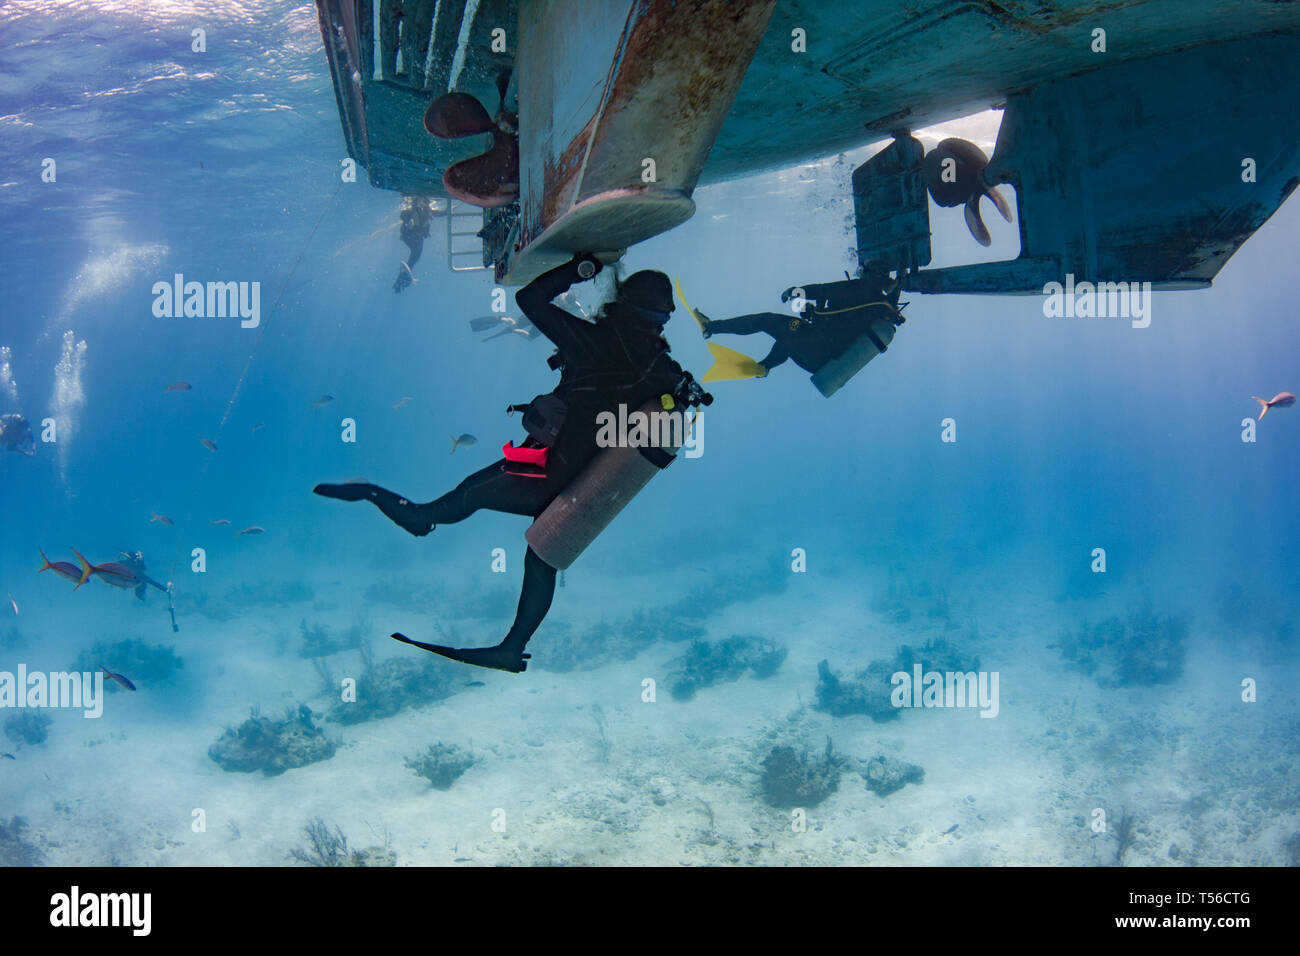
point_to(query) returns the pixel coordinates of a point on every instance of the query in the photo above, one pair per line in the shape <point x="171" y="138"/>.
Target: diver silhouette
<point x="620" y="359"/>
<point x="16" y="435"/>
<point x="834" y="316"/>
<point x="414" y="218"/>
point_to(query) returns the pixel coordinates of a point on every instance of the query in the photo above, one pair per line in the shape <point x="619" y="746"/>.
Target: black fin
<point x="496" y="658"/>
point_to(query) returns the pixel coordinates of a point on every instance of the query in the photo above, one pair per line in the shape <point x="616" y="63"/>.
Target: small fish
<point x="220" y="521"/>
<point x="461" y="859"/>
<point x="117" y="677"/>
<point x="1050" y="646"/>
<point x="8" y="756"/>
<point x="465" y="439"/>
<point x="405" y="400"/>
<point x="1281" y="400"/>
<point x="251" y="529"/>
<point x="13" y="604"/>
<point x="112" y="573"/>
<point x="162" y="519"/>
<point x="64" y="569"/>
<point x="950" y="829"/>
<point x="177" y="387"/>
<point x="257" y="426"/>
<point x="323" y="400"/>
<point x="475" y="683"/>
<point x="209" y="444"/>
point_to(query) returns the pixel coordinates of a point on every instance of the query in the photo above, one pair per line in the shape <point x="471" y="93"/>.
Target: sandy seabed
<point x="1210" y="780"/>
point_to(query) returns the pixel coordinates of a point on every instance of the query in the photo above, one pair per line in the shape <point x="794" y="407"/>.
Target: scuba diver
<point x="416" y="213"/>
<point x="834" y="318"/>
<point x="126" y="573"/>
<point x="134" y="562"/>
<point x="620" y="359"/>
<point x="16" y="435"/>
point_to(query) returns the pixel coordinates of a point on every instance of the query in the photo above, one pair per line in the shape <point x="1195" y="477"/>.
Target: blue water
<point x="1072" y="435"/>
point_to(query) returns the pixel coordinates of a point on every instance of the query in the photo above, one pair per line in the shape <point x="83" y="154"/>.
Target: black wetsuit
<point x="16" y="434"/>
<point x="607" y="363"/>
<point x="837" y="314"/>
<point x="620" y="359"/>
<point x="416" y="213"/>
<point x="135" y="562"/>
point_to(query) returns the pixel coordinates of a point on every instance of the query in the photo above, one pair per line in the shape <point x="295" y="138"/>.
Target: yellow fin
<point x="728" y="364"/>
<point x="677" y="284"/>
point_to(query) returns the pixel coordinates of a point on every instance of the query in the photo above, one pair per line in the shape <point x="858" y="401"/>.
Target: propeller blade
<point x="454" y="115"/>
<point x="1000" y="202"/>
<point x="975" y="224"/>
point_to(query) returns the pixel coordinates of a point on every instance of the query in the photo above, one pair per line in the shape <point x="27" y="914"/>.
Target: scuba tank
<point x="603" y="488"/>
<point x="884" y="317"/>
<point x="832" y="376"/>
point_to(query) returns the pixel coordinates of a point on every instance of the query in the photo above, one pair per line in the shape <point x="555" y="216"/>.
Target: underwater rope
<point x="234" y="396"/>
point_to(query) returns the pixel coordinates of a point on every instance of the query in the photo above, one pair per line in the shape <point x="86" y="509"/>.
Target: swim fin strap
<point x="728" y="364"/>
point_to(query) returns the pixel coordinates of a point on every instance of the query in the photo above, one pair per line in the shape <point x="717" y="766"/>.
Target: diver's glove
<point x="762" y="371"/>
<point x="588" y="265"/>
<point x="705" y="322"/>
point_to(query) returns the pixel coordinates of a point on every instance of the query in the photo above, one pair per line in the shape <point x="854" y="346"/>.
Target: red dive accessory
<point x="526" y="462"/>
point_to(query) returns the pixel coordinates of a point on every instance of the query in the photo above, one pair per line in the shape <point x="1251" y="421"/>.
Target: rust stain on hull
<point x="667" y="94"/>
<point x="560" y="175"/>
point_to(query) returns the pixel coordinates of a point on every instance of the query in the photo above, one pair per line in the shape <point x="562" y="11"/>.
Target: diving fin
<point x="728" y="365"/>
<point x="497" y="658"/>
<point x="677" y="284"/>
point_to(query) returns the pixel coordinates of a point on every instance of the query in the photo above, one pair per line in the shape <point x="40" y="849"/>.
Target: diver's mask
<point x="653" y="315"/>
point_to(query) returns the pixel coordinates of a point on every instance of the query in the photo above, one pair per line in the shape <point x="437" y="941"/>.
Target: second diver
<point x="829" y="318"/>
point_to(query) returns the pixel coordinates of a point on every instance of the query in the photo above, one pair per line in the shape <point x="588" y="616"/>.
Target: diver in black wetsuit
<point x="134" y="560"/>
<point x="417" y="211"/>
<point x="621" y="358"/>
<point x="16" y="435"/>
<point x="834" y="316"/>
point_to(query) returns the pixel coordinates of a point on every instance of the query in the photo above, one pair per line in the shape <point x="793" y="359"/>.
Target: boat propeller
<point x="492" y="178"/>
<point x="954" y="174"/>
